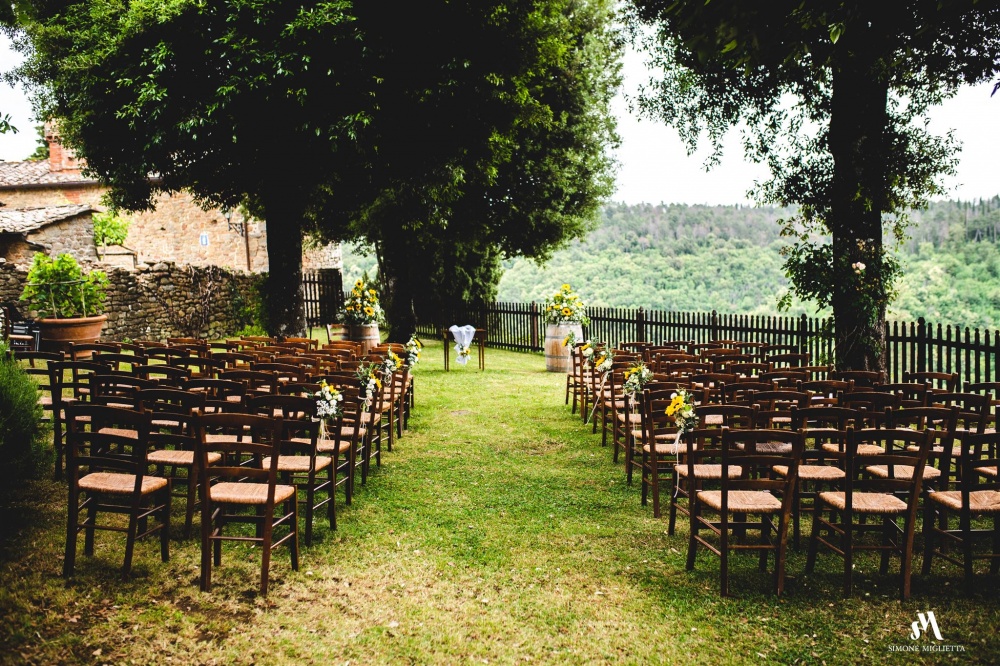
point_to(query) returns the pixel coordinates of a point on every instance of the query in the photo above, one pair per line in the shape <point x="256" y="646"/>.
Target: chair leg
<point x="331" y="512"/>
<point x="692" y="533"/>
<point x="310" y="503"/>
<point x="206" y="545"/>
<point x="265" y="556"/>
<point x="724" y="552"/>
<point x="73" y="517"/>
<point x="88" y="538"/>
<point x="192" y="490"/>
<point x="133" y="526"/>
<point x="814" y="539"/>
<point x="887" y="527"/>
<point x="847" y="545"/>
<point x="654" y="474"/>
<point x="165" y="523"/>
<point x="929" y="537"/>
<point x="293" y="543"/>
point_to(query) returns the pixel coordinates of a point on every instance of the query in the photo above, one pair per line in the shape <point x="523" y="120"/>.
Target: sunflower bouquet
<point x="370" y="381"/>
<point x="635" y="378"/>
<point x="681" y="408"/>
<point x="413" y="347"/>
<point x="565" y="307"/>
<point x="362" y="306"/>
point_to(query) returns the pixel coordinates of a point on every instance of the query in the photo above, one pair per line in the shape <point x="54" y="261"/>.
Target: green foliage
<point x="728" y="258"/>
<point x="23" y="436"/>
<point x="58" y="288"/>
<point x="247" y="307"/>
<point x="110" y="228"/>
<point x="834" y="97"/>
<point x="42" y="149"/>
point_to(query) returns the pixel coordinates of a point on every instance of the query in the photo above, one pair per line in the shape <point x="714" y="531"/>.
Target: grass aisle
<point x="497" y="531"/>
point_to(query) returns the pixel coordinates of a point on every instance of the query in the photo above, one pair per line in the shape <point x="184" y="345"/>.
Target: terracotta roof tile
<point x="25" y="220"/>
<point x="18" y="174"/>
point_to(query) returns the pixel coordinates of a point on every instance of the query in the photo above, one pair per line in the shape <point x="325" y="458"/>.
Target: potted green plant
<point x="68" y="303"/>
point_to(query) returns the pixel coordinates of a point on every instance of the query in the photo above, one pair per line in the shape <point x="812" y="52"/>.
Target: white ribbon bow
<point x="463" y="338"/>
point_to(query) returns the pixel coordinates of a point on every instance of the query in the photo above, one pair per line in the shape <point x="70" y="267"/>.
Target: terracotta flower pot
<point x="58" y="333"/>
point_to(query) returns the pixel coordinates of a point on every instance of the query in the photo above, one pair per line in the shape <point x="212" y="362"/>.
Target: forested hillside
<point x="726" y="258"/>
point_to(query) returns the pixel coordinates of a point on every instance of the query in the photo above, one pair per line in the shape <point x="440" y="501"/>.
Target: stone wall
<point x="173" y="232"/>
<point x="159" y="301"/>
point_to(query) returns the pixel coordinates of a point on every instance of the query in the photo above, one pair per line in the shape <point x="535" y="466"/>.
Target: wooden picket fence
<point x="910" y="346"/>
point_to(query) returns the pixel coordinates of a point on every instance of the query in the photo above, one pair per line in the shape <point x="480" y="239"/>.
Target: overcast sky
<point x="654" y="167"/>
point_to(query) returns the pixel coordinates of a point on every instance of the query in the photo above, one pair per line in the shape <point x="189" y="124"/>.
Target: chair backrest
<point x="199" y="366"/>
<point x="243" y="440"/>
<point x="164" y="375"/>
<point x="311" y="343"/>
<point x="940" y="382"/>
<point x="234" y="360"/>
<point x="117" y="390"/>
<point x="256" y="381"/>
<point x="82" y="351"/>
<point x="173" y="408"/>
<point x="824" y="425"/>
<point x="164" y="354"/>
<point x="106" y="439"/>
<point x="120" y="362"/>
<point x="979" y="462"/>
<point x="36" y="364"/>
<point x="973" y="408"/>
<point x="746" y="450"/>
<point x="873" y="403"/>
<point x="73" y="376"/>
<point x="861" y="378"/>
<point x="284" y="371"/>
<point x="897" y="445"/>
<point x="910" y="394"/>
<point x="726" y="415"/>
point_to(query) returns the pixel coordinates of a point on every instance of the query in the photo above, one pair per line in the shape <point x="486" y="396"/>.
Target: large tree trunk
<point x="283" y="291"/>
<point x="395" y="255"/>
<point x="858" y="144"/>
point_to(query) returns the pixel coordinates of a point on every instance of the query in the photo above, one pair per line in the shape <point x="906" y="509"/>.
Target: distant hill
<point x="725" y="258"/>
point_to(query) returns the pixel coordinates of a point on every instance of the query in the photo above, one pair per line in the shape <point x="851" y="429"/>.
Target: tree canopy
<point x="334" y="118"/>
<point x="833" y="94"/>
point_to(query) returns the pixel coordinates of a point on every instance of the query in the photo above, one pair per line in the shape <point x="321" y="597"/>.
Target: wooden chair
<point x="107" y="472"/>
<point x="84" y="351"/>
<point x="865" y="496"/>
<point x="299" y="462"/>
<point x="977" y="496"/>
<point x="347" y="445"/>
<point x="653" y="445"/>
<point x="824" y="447"/>
<point x="243" y="438"/>
<point x="701" y="450"/>
<point x="120" y="362"/>
<point x="910" y="395"/>
<point x="234" y="360"/>
<point x="172" y="440"/>
<point x="69" y="382"/>
<point x="312" y="344"/>
<point x="257" y="382"/>
<point x="199" y="367"/>
<point x="750" y="493"/>
<point x="120" y="391"/>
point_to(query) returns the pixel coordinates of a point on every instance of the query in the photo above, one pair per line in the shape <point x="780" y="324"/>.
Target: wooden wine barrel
<point x="557" y="357"/>
<point x="366" y="334"/>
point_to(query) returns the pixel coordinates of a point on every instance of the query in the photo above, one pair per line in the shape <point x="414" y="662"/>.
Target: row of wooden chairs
<point x="957" y="476"/>
<point x="169" y="395"/>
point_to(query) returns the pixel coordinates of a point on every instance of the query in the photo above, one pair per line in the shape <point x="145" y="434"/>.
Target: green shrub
<point x="24" y="438"/>
<point x="110" y="228"/>
<point x="247" y="307"/>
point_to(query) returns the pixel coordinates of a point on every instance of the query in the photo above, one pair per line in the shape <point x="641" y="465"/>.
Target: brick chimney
<point x="61" y="158"/>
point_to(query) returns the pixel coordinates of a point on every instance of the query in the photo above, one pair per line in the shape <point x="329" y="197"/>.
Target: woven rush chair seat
<point x="634" y="418"/>
<point x="866" y="502"/>
<point x="987" y="471"/>
<point x="814" y="472"/>
<point x="665" y="449"/>
<point x="980" y="501"/>
<point x="45" y="400"/>
<point x="708" y="471"/>
<point x="220" y="439"/>
<point x="337" y="446"/>
<point x="120" y="484"/>
<point x="902" y="472"/>
<point x="742" y="501"/>
<point x="299" y="463"/>
<point x="863" y="449"/>
<point x="178" y="458"/>
<point x="714" y="420"/>
<point x="117" y="432"/>
<point x="248" y="493"/>
<point x="780" y="448"/>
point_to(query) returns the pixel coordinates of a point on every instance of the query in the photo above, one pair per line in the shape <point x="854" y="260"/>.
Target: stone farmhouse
<point x="47" y="205"/>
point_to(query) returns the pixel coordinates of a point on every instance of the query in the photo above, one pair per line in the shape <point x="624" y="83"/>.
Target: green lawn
<point x="497" y="531"/>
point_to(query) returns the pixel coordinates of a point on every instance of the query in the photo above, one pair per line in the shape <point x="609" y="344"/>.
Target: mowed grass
<point x="497" y="531"/>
